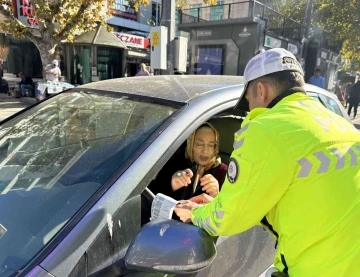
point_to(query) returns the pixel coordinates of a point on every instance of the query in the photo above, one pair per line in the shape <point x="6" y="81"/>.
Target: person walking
<point x="295" y="169"/>
<point x="143" y="71"/>
<point x="354" y="98"/>
<point x="317" y="80"/>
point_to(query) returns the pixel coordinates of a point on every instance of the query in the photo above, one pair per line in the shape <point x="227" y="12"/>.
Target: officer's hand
<point x="210" y="185"/>
<point x="202" y="199"/>
<point x="183" y="210"/>
<point x="181" y="179"/>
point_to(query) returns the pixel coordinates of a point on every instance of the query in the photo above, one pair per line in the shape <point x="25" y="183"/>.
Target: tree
<point x="58" y="20"/>
<point x="340" y="18"/>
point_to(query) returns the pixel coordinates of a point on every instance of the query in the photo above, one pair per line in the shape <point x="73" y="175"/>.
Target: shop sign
<point x="133" y="41"/>
<point x="272" y="42"/>
<point x="334" y="58"/>
<point x="204" y="33"/>
<point x="24" y="12"/>
<point x="244" y="33"/>
<point x="293" y="48"/>
<point x="324" y="55"/>
<point x="123" y="8"/>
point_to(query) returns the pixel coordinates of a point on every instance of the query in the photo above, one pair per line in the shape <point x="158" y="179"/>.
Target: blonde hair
<point x="189" y="154"/>
<point x="143" y="66"/>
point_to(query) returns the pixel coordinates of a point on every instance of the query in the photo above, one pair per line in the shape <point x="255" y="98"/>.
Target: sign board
<point x="24" y="12"/>
<point x="244" y="33"/>
<point x="155" y="39"/>
<point x="123" y="8"/>
<point x="272" y="42"/>
<point x="133" y="41"/>
<point x="293" y="48"/>
<point x="204" y="33"/>
<point x="324" y="55"/>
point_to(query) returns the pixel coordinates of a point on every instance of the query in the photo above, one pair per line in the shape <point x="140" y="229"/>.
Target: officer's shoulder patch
<point x="233" y="170"/>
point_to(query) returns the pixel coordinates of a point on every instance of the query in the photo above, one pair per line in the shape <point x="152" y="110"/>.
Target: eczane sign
<point x="132" y="41"/>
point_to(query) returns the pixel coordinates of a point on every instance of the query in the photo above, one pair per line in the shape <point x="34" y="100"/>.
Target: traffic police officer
<point x="296" y="169"/>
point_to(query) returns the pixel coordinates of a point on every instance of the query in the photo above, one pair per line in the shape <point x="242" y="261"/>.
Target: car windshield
<point x="55" y="156"/>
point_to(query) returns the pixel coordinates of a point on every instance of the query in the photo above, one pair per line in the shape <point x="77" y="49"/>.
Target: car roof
<point x="312" y="88"/>
<point x="174" y="88"/>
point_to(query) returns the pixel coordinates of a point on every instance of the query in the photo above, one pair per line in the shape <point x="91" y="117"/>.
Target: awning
<point x="99" y="36"/>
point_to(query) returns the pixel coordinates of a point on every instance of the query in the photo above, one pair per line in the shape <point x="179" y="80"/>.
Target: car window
<point x="331" y="104"/>
<point x="55" y="156"/>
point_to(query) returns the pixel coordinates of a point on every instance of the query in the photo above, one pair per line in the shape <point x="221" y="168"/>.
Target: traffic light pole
<point x="168" y="20"/>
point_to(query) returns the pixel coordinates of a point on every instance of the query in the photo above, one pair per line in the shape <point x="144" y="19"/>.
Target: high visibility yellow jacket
<point x="296" y="169"/>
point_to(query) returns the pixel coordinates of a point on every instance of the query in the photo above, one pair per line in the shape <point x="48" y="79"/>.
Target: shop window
<point x="217" y="12"/>
<point x="109" y="63"/>
<point x="81" y="68"/>
<point x="210" y="60"/>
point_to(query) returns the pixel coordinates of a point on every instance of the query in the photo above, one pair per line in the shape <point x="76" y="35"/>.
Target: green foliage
<point x="340" y="18"/>
<point x="59" y="20"/>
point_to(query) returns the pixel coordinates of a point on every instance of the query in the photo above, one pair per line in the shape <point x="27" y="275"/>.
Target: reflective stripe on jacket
<point x="296" y="169"/>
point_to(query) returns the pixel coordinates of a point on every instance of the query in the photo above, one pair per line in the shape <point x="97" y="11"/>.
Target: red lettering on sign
<point x="130" y="39"/>
<point x="26" y="11"/>
<point x="33" y="21"/>
<point x="25" y="3"/>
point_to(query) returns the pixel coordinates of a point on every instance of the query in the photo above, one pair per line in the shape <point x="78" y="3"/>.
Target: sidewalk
<point x="10" y="105"/>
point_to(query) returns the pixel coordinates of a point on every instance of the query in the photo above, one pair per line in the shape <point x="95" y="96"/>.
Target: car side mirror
<point x="170" y="246"/>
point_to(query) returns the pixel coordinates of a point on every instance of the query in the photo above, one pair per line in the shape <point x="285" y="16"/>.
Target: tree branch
<point x="73" y="22"/>
<point x="17" y="25"/>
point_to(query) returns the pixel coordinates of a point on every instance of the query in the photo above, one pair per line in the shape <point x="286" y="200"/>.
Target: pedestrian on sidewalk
<point x="317" y="80"/>
<point x="4" y="86"/>
<point x="53" y="72"/>
<point x="354" y="98"/>
<point x="143" y="71"/>
<point x="26" y="83"/>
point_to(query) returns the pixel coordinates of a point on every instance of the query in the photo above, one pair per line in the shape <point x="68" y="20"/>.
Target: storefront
<point x="22" y="56"/>
<point x="138" y="52"/>
<point x="224" y="49"/>
<point x="95" y="56"/>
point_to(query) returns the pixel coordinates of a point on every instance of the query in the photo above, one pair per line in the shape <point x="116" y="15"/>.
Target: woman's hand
<point x="183" y="210"/>
<point x="181" y="179"/>
<point x="209" y="185"/>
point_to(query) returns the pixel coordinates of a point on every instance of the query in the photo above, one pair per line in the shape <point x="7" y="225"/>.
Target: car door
<point x="247" y="254"/>
<point x="97" y="244"/>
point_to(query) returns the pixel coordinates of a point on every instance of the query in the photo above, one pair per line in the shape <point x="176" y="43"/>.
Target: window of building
<point x="195" y="10"/>
<point x="217" y="12"/>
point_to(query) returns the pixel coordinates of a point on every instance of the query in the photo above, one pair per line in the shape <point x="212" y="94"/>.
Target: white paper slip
<point x="162" y="207"/>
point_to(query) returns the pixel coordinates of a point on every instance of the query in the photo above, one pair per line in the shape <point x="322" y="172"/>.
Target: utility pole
<point x="307" y="23"/>
<point x="168" y="20"/>
<point x="307" y="18"/>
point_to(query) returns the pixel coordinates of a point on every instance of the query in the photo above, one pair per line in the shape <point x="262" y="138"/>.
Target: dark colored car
<point x="74" y="171"/>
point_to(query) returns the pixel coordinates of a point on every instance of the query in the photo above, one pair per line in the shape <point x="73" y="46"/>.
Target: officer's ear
<point x="265" y="91"/>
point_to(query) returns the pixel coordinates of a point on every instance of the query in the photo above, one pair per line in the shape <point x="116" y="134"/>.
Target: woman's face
<point x="204" y="145"/>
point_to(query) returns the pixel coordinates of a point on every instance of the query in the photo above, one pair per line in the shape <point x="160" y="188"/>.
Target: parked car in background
<point x="74" y="171"/>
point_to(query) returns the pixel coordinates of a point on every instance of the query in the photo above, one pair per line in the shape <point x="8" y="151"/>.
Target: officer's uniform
<point x="296" y="169"/>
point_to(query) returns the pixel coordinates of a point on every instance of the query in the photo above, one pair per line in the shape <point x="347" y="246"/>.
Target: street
<point x="10" y="105"/>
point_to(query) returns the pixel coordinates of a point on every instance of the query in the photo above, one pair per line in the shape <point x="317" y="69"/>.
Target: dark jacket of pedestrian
<point x="354" y="95"/>
<point x="27" y="80"/>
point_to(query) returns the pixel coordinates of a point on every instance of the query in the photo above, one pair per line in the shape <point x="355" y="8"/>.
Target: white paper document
<point x="163" y="207"/>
